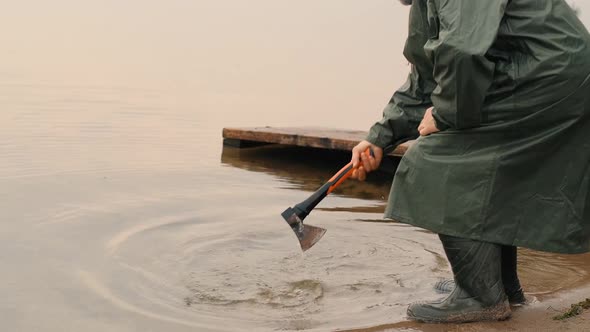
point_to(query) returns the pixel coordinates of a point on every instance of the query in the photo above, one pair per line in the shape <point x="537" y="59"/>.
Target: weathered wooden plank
<point x="323" y="138"/>
<point x="240" y="143"/>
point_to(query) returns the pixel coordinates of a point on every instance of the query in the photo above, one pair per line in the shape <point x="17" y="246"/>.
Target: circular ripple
<point x="258" y="277"/>
<point x="187" y="271"/>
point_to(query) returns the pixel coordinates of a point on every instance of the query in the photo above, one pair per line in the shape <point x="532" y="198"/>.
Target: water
<point x="122" y="211"/>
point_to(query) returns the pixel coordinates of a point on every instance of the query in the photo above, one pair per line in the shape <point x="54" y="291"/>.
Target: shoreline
<point x="537" y="316"/>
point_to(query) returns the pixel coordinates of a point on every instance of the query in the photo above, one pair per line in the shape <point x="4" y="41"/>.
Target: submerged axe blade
<point x="311" y="235"/>
<point x="308" y="235"/>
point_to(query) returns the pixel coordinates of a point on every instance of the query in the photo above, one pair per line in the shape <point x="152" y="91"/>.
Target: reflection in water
<point x="307" y="169"/>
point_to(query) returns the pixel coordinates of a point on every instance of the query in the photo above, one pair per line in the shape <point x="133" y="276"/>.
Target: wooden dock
<point x="321" y="138"/>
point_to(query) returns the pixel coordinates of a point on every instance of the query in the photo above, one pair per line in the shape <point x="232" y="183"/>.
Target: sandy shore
<point x="536" y="317"/>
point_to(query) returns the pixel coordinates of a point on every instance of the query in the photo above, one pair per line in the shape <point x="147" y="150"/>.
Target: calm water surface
<point x="122" y="211"/>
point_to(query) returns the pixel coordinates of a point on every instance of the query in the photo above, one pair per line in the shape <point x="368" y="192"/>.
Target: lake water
<point x="122" y="210"/>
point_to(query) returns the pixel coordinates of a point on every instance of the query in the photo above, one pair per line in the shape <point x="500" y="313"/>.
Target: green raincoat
<point x="510" y="84"/>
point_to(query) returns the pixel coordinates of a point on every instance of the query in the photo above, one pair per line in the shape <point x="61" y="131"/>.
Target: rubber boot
<point x="444" y="286"/>
<point x="510" y="279"/>
<point x="478" y="294"/>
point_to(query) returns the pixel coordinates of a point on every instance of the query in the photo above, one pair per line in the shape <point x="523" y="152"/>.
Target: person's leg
<point x="510" y="279"/>
<point x="478" y="294"/>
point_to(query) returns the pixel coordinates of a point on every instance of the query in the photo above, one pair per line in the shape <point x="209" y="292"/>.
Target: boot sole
<point x="497" y="313"/>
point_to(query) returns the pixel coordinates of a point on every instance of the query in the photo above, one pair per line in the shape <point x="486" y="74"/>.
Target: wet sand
<point x="538" y="316"/>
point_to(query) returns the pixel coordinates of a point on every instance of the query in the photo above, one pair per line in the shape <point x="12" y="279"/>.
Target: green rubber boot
<point x="478" y="294"/>
<point x="510" y="279"/>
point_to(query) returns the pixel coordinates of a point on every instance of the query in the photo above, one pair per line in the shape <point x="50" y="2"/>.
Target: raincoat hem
<point x="491" y="239"/>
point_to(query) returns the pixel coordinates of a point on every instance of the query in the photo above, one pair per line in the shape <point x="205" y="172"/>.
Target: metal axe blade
<point x="308" y="235"/>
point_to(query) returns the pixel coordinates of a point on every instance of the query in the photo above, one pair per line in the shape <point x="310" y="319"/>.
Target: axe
<point x="308" y="235"/>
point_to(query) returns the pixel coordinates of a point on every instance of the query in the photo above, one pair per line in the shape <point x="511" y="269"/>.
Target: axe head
<point x="308" y="235"/>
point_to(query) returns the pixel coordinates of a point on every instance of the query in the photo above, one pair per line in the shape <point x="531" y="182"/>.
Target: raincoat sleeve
<point x="461" y="33"/>
<point x="403" y="113"/>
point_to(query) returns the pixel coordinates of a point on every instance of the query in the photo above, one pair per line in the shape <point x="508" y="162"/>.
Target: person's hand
<point x="363" y="161"/>
<point x="428" y="124"/>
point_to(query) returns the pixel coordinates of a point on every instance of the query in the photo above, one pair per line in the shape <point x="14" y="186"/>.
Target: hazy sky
<point x="584" y="7"/>
<point x="64" y="36"/>
<point x="341" y="55"/>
